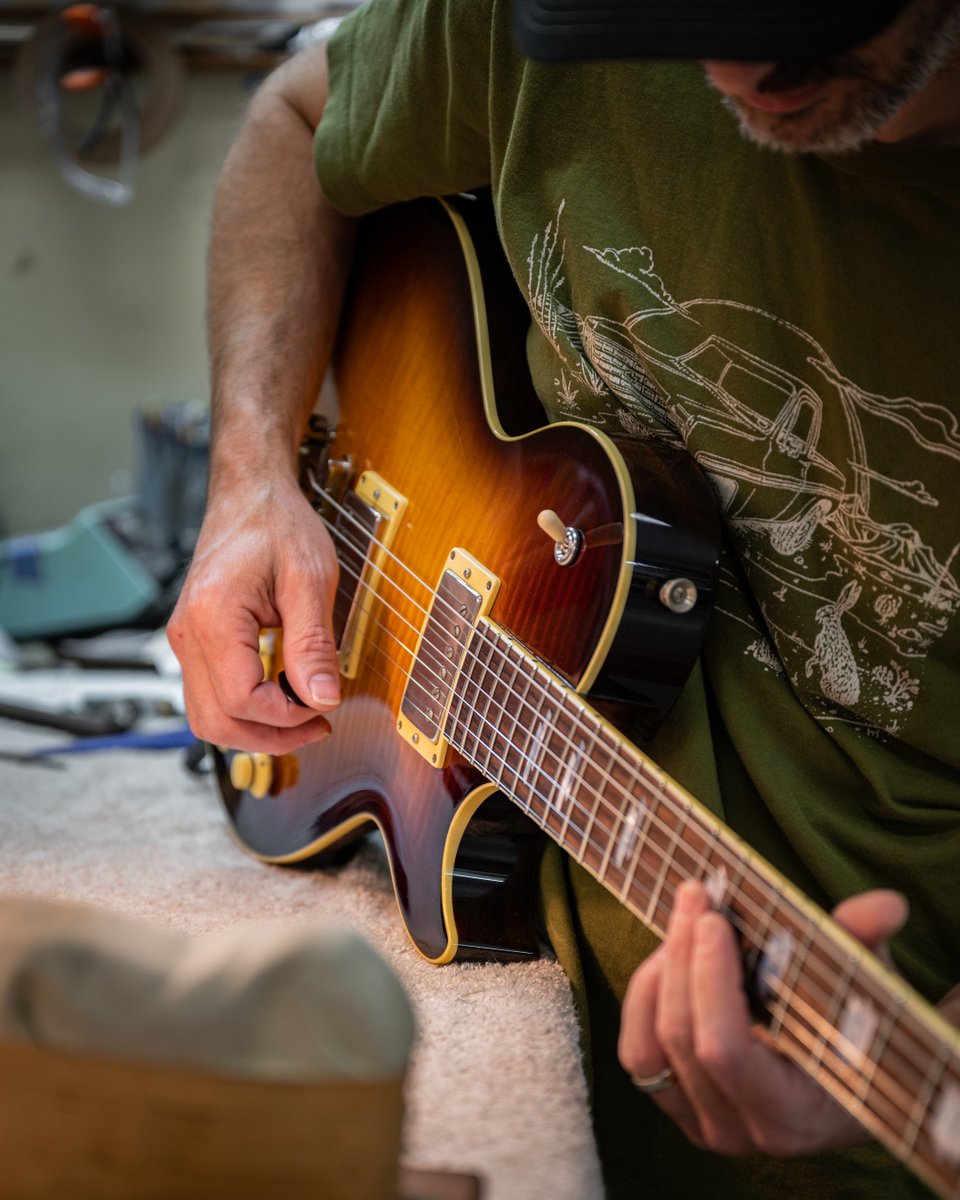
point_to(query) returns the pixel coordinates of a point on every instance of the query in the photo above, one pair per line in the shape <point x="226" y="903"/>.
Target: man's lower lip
<point x="784" y="102"/>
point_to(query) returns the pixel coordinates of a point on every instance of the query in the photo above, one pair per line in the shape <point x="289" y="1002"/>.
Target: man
<point x="787" y="312"/>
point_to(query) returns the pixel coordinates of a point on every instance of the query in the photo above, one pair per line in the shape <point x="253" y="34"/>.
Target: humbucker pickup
<point x="465" y="593"/>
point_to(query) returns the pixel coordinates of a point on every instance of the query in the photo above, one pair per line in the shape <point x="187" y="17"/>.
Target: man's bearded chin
<point x="860" y="98"/>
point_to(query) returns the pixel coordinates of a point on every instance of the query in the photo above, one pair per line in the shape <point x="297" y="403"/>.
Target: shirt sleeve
<point x="407" y="113"/>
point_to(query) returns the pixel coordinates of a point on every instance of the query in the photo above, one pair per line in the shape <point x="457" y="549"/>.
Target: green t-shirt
<point x="790" y="319"/>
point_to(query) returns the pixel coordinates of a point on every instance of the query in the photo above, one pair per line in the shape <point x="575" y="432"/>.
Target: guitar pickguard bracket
<point x="465" y="593"/>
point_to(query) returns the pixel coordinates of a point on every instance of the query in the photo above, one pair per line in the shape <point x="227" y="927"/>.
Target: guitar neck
<point x="831" y="1006"/>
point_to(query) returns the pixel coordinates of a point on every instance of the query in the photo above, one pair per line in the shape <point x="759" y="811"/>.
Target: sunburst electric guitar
<point x="498" y="587"/>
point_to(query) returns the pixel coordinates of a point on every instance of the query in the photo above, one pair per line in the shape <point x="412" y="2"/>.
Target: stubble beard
<point x="844" y="120"/>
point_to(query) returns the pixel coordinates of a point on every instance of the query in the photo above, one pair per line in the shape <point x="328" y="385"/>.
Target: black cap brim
<point x="752" y="30"/>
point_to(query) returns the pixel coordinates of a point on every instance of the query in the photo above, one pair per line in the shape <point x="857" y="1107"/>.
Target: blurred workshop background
<point x="114" y="121"/>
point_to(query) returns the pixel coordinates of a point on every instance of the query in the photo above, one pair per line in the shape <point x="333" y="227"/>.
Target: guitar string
<point x="847" y="1066"/>
<point x="484" y="719"/>
<point x="864" y="1090"/>
<point x="859" y="1105"/>
<point x="548" y="804"/>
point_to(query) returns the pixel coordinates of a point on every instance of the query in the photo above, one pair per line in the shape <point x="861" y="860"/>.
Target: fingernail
<point x="687" y="898"/>
<point x="325" y="689"/>
<point x="710" y="931"/>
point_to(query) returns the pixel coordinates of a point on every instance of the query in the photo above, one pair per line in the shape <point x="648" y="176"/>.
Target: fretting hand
<point x="687" y="1037"/>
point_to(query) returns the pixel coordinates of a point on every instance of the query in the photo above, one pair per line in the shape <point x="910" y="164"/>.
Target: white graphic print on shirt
<point x="853" y="604"/>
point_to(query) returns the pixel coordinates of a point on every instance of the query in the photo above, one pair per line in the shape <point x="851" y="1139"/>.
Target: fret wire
<point x="836" y="996"/>
<point x="797" y="963"/>
<point x="639" y="841"/>
<point x="511" y="738"/>
<point x="635" y="834"/>
<point x="482" y="700"/>
<point x="618" y="815"/>
<point x="823" y="1020"/>
<point x="573" y="769"/>
<point x="793" y="1043"/>
<point x="499" y="683"/>
<point x="858" y="1108"/>
<point x="767" y="914"/>
<point x="524" y="757"/>
<point x="725" y="850"/>
<point x="363" y="555"/>
<point x="886" y="1007"/>
<point x="835" y="1062"/>
<point x="936" y="1170"/>
<point x="560" y="779"/>
<point x="919" y="1033"/>
<point x="842" y="993"/>
<point x="908" y="1038"/>
<point x="541" y="738"/>
<point x="654" y="902"/>
<point x="555" y="733"/>
<point x="591" y="822"/>
<point x="541" y="727"/>
<point x="472" y="732"/>
<point x="487" y="683"/>
<point x="879" y="1045"/>
<point x="478" y="689"/>
<point x="474" y="726"/>
<point x="661" y="793"/>
<point x="924" y="1099"/>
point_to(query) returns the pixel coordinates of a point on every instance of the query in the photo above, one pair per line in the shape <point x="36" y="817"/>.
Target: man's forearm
<point x="279" y="257"/>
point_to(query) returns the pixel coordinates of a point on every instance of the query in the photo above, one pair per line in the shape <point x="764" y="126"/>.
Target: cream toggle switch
<point x="567" y="542"/>
<point x="552" y="526"/>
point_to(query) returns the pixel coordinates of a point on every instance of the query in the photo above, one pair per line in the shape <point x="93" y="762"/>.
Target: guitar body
<point x="425" y="403"/>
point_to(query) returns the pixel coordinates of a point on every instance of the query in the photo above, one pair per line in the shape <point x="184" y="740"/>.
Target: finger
<point x="872" y="917"/>
<point x="726" y="1047"/>
<point x="779" y="1109"/>
<point x="638" y="1049"/>
<point x="305" y="603"/>
<point x="223" y="677"/>
<point x="208" y="721"/>
<point x="674" y="1017"/>
<point x="717" y="1123"/>
<point x="265" y="739"/>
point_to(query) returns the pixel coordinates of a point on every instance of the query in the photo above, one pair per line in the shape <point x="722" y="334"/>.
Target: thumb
<point x="872" y="917"/>
<point x="310" y="660"/>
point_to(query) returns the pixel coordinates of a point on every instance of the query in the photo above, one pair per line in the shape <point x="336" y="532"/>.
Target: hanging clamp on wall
<point x="96" y="59"/>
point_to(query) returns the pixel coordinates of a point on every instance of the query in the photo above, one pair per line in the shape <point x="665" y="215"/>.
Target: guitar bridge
<point x="364" y="527"/>
<point x="465" y="593"/>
